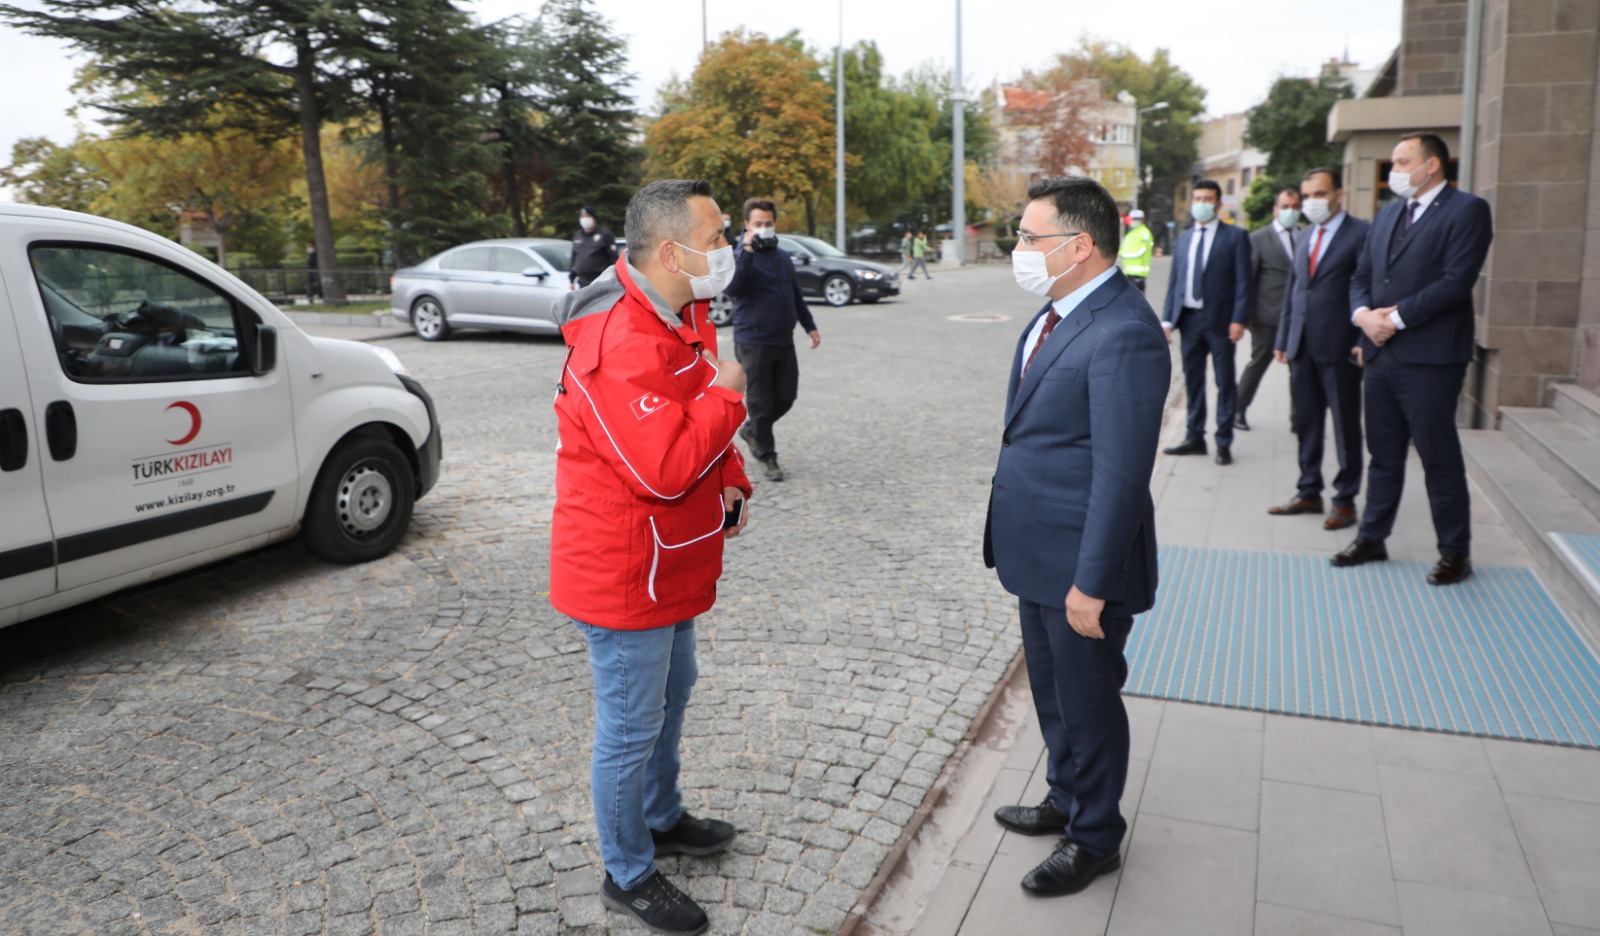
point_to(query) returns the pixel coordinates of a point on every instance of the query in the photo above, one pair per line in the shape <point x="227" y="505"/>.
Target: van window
<point x="512" y="260"/>
<point x="473" y="258"/>
<point x="125" y="317"/>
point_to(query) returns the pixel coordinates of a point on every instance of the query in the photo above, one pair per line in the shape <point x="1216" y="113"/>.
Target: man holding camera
<point x="767" y="305"/>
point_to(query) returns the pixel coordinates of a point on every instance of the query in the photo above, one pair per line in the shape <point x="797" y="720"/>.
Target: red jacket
<point x="645" y="453"/>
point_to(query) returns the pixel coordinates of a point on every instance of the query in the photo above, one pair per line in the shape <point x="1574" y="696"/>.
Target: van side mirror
<point x="266" y="351"/>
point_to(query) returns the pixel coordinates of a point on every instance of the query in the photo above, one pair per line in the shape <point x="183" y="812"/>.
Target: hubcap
<point x="429" y="318"/>
<point x="837" y="292"/>
<point x="366" y="498"/>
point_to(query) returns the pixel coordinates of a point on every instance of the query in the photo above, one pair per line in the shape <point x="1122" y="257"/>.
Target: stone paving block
<point x="1273" y="920"/>
<point x="1545" y="770"/>
<point x="1185" y="877"/>
<point x="1452" y="830"/>
<point x="1325" y="850"/>
<point x="1434" y="910"/>
<point x="1205" y="768"/>
<point x="1561" y="840"/>
<point x="1320" y="753"/>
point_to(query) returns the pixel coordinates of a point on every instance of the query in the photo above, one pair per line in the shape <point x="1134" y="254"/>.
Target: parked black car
<point x="836" y="277"/>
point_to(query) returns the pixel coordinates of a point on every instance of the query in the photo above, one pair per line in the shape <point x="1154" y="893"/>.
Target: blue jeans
<point x="641" y="687"/>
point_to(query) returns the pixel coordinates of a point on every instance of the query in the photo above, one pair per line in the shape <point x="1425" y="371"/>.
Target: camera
<point x="757" y="242"/>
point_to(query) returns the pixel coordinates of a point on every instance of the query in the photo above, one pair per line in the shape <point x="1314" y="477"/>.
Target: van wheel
<point x="428" y="321"/>
<point x="362" y="503"/>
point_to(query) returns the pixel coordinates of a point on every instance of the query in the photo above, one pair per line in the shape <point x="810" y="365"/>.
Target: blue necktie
<point x="1197" y="270"/>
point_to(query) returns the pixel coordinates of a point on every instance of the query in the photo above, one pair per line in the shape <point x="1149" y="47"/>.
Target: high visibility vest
<point x="1138" y="246"/>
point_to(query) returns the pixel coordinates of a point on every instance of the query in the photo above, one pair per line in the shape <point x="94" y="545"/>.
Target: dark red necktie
<point x="1051" y="320"/>
<point x="1315" y="249"/>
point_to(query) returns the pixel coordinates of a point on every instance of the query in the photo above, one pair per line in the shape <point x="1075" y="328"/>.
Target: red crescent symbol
<point x="194" y="415"/>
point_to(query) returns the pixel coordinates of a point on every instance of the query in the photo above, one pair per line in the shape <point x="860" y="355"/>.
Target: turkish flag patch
<point x="646" y="405"/>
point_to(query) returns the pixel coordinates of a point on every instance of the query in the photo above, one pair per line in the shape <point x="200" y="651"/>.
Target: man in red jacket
<point x="647" y="479"/>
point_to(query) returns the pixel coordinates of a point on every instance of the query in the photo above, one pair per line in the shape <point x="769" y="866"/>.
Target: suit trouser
<point x="1416" y="403"/>
<point x="772" y="382"/>
<point x="1320" y="388"/>
<point x="1077" y="693"/>
<point x="1262" y="338"/>
<point x="1199" y="340"/>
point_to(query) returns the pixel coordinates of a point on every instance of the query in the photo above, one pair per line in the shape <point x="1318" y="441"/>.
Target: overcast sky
<point x="1233" y="48"/>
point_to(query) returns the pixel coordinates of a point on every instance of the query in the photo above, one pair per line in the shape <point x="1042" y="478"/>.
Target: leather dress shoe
<point x="1239" y="422"/>
<point x="1224" y="455"/>
<point x="1043" y="819"/>
<point x="1189" y="447"/>
<point x="1340" y="518"/>
<point x="1361" y="551"/>
<point x="1297" y="505"/>
<point x="1450" y="570"/>
<point x="1069" y="869"/>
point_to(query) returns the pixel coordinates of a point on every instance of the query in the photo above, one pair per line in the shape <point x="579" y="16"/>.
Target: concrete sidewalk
<point x="1250" y="823"/>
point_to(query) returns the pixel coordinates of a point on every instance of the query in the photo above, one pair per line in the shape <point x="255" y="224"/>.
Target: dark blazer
<point x="1431" y="278"/>
<point x="1071" y="501"/>
<point x="1316" y="315"/>
<point x="1269" y="274"/>
<point x="1226" y="290"/>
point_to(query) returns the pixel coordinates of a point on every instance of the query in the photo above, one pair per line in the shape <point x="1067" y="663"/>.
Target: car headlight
<point x="871" y="275"/>
<point x="391" y="359"/>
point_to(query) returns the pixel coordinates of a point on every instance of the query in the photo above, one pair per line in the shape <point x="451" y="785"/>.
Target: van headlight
<point x="391" y="359"/>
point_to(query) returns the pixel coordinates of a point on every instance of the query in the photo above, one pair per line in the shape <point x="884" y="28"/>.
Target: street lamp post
<point x="838" y="169"/>
<point x="958" y="181"/>
<point x="1138" y="142"/>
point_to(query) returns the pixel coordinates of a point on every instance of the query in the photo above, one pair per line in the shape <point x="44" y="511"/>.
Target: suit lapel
<point x="1064" y="334"/>
<point x="1439" y="202"/>
<point x="1327" y="248"/>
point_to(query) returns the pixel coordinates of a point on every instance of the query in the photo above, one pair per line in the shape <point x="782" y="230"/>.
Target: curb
<point x="856" y="923"/>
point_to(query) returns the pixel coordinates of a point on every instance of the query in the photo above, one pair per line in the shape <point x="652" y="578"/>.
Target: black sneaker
<point x="749" y="437"/>
<point x="771" y="470"/>
<point x="693" y="836"/>
<point x="657" y="904"/>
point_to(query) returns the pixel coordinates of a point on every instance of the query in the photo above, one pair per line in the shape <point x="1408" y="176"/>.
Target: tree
<point x="894" y="159"/>
<point x="1291" y="125"/>
<point x="1169" y="135"/>
<point x="936" y="85"/>
<point x="278" y="68"/>
<point x="755" y="118"/>
<point x="43" y="173"/>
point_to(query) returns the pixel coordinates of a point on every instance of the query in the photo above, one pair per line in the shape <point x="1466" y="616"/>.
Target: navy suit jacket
<point x="1226" y="288"/>
<point x="1071" y="501"/>
<point x="1430" y="280"/>
<point x="1316" y="311"/>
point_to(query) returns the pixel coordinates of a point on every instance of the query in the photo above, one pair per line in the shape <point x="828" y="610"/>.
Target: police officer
<point x="594" y="249"/>
<point x="1138" y="246"/>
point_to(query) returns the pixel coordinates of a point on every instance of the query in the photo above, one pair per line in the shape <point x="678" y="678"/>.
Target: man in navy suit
<point x="1071" y="527"/>
<point x="1208" y="299"/>
<point x="1318" y="339"/>
<point x="1412" y="295"/>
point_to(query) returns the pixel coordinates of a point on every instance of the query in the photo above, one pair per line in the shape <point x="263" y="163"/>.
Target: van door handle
<point x="13" y="440"/>
<point x="61" y="430"/>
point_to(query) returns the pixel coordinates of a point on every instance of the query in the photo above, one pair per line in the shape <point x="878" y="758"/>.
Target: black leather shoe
<point x="1360" y="551"/>
<point x="1450" y="570"/>
<point x="1239" y="422"/>
<point x="1069" y="869"/>
<point x="1189" y="447"/>
<point x="693" y="836"/>
<point x="1224" y="455"/>
<point x="1043" y="819"/>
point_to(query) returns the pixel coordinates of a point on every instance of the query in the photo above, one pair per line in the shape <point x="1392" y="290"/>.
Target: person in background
<point x="1138" y="246"/>
<point x="594" y="250"/>
<point x="919" y="256"/>
<point x="905" y="253"/>
<point x="1271" y="252"/>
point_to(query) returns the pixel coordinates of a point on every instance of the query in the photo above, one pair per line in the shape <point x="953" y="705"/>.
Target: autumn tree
<point x="45" y="173"/>
<point x="755" y="118"/>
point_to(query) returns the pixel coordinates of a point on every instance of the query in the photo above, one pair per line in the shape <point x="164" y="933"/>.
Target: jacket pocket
<point x="1061" y="373"/>
<point x="686" y="553"/>
<point x="1048" y="510"/>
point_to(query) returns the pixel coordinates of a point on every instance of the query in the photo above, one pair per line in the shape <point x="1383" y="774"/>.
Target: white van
<point x="157" y="414"/>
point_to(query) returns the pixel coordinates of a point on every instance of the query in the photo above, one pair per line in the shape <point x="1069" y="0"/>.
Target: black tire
<point x="838" y="290"/>
<point x="721" y="311"/>
<point x="428" y="319"/>
<point x="362" y="502"/>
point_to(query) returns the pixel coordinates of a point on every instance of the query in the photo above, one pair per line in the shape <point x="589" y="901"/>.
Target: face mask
<point x="764" y="232"/>
<point x="586" y="223"/>
<point x="1317" y="210"/>
<point x="1203" y="212"/>
<point x="1031" y="270"/>
<point x="1288" y="217"/>
<point x="719" y="273"/>
<point x="1400" y="184"/>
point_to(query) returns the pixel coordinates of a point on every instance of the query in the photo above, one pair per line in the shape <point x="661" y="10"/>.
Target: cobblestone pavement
<point x="277" y="745"/>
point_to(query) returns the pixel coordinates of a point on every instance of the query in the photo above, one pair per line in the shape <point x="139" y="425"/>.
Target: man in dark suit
<point x="1412" y="295"/>
<point x="1318" y="340"/>
<point x="1208" y="299"/>
<point x="1071" y="527"/>
<point x="1271" y="252"/>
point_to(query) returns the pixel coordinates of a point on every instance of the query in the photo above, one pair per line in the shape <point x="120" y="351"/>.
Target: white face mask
<point x="1317" y="210"/>
<point x="587" y="223"/>
<point x="765" y="233"/>
<point x="1031" y="270"/>
<point x="719" y="272"/>
<point x="1400" y="184"/>
<point x="1203" y="212"/>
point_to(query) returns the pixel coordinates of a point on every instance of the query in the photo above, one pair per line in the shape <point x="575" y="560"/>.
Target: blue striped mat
<point x="1376" y="644"/>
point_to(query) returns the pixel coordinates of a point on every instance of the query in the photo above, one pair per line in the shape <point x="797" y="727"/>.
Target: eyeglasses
<point x="1028" y="239"/>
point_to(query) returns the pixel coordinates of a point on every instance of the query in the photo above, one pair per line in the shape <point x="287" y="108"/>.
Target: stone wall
<point x="1431" y="46"/>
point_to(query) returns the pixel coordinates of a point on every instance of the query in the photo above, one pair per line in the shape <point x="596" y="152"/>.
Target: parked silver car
<point x="511" y="284"/>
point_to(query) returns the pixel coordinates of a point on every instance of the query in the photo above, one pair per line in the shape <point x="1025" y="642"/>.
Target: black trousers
<point x="1318" y="389"/>
<point x="1416" y="403"/>
<point x="772" y="381"/>
<point x="1077" y="693"/>
<point x="1200" y="341"/>
<point x="1262" y="338"/>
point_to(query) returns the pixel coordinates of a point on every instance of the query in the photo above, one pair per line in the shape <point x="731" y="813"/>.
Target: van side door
<point x="27" y="550"/>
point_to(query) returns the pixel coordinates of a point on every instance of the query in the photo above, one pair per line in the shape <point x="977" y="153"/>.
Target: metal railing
<point x="301" y="281"/>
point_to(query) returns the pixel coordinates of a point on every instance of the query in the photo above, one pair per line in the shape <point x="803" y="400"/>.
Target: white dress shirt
<point x="1190" y="300"/>
<point x="1422" y="202"/>
<point x="1328" y="228"/>
<point x="1063" y="307"/>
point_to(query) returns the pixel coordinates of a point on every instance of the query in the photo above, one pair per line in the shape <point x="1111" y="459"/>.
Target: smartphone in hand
<point x="732" y="518"/>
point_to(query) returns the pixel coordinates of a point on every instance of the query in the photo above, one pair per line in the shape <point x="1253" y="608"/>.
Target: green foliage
<point x="890" y="132"/>
<point x="1291" y="126"/>
<point x="43" y="173"/>
<point x="1258" y="203"/>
